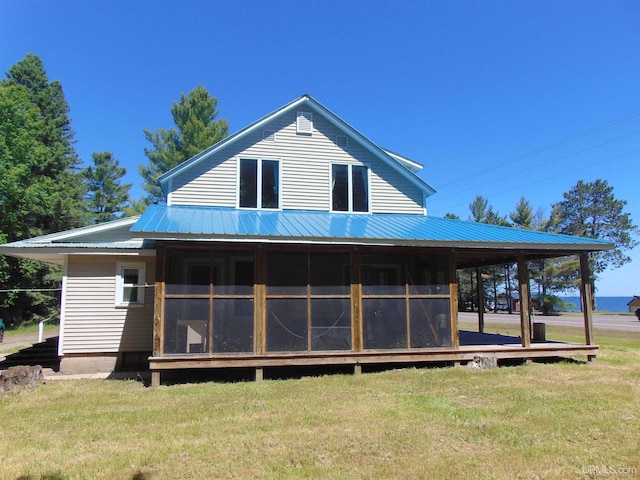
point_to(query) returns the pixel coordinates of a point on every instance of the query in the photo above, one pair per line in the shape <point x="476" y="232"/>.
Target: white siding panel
<point x="92" y="323"/>
<point x="305" y="163"/>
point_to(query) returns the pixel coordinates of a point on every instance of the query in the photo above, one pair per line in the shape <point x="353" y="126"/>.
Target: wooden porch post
<point x="158" y="312"/>
<point x="525" y="311"/>
<point x="356" y="304"/>
<point x="480" y="288"/>
<point x="586" y="294"/>
<point x="453" y="292"/>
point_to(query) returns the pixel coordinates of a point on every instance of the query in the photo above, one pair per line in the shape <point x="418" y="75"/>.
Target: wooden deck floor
<point x="472" y="344"/>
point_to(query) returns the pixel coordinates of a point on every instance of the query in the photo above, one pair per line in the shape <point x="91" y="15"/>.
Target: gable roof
<point x="405" y="167"/>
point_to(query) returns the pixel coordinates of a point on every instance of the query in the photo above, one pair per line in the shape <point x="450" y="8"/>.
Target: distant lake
<point x="603" y="304"/>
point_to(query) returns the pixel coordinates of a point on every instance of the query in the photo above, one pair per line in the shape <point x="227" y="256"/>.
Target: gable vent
<point x="342" y="141"/>
<point x="269" y="136"/>
<point x="304" y="123"/>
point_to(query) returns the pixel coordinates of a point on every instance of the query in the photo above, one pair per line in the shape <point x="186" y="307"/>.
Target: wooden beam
<point x="525" y="310"/>
<point x="155" y="378"/>
<point x="453" y="303"/>
<point x="480" y="289"/>
<point x="158" y="306"/>
<point x="356" y="302"/>
<point x="259" y="302"/>
<point x="586" y="294"/>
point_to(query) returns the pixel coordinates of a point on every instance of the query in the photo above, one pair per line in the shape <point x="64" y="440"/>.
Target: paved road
<point x="627" y="323"/>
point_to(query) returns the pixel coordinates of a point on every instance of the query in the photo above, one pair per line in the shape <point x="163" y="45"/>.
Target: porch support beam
<point x="525" y="310"/>
<point x="158" y="310"/>
<point x="586" y="294"/>
<point x="453" y="304"/>
<point x="480" y="290"/>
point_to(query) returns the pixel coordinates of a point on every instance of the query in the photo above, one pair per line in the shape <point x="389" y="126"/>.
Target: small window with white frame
<point x="130" y="284"/>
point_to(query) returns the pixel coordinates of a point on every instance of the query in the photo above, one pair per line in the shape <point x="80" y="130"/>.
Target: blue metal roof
<point x="190" y="222"/>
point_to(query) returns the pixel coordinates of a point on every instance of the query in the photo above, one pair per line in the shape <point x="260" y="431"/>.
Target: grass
<point x="551" y="421"/>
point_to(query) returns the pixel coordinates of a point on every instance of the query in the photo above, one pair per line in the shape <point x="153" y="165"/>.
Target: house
<point x="295" y="241"/>
<point x="634" y="303"/>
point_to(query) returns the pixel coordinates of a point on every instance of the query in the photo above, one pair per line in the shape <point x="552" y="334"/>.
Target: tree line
<point x="44" y="187"/>
<point x="589" y="209"/>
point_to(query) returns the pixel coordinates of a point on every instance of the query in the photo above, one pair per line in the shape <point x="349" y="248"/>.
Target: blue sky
<point x="499" y="98"/>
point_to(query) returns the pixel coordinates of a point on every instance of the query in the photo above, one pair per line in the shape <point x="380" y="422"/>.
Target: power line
<point x="551" y="177"/>
<point x="593" y="147"/>
<point x="549" y="146"/>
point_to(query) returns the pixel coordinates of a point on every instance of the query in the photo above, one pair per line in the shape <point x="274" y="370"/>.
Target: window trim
<point x="350" y="187"/>
<point x="120" y="285"/>
<point x="259" y="161"/>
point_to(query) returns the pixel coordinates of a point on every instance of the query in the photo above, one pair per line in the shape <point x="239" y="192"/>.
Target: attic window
<point x="342" y="141"/>
<point x="304" y="123"/>
<point x="269" y="136"/>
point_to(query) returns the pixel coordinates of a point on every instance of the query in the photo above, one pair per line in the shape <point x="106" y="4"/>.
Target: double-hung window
<point x="130" y="283"/>
<point x="349" y="188"/>
<point x="259" y="181"/>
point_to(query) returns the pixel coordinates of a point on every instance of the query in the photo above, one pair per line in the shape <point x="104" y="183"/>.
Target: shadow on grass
<point x="60" y="476"/>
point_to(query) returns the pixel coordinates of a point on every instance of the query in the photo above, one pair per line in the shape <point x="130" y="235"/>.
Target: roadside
<point x="601" y="321"/>
<point x="15" y="341"/>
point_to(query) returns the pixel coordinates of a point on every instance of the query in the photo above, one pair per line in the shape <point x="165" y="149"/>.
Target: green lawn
<point x="541" y="421"/>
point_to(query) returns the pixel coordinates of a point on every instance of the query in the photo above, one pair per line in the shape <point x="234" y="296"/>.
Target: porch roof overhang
<point x="477" y="244"/>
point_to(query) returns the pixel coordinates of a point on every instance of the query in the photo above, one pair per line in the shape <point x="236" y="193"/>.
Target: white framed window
<point x="130" y="284"/>
<point x="259" y="183"/>
<point x="350" y="188"/>
<point x="304" y="123"/>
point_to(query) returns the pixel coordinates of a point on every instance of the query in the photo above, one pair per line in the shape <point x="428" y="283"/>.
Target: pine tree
<point x="195" y="117"/>
<point x="65" y="207"/>
<point x="591" y="210"/>
<point x="41" y="189"/>
<point x="523" y="216"/>
<point x="106" y="196"/>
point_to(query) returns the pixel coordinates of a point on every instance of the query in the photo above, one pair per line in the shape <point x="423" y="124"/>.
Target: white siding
<point x="92" y="322"/>
<point x="305" y="163"/>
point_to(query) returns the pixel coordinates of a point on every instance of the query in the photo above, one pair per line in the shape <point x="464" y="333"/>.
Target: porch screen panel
<point x="430" y="321"/>
<point x="428" y="274"/>
<point x="188" y="273"/>
<point x="186" y="325"/>
<point x="287" y="274"/>
<point x="384" y="323"/>
<point x="287" y="328"/>
<point x="383" y="275"/>
<point x="330" y="324"/>
<point x="330" y="274"/>
<point x="233" y="325"/>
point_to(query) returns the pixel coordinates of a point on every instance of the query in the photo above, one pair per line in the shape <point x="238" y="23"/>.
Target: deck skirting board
<point x="462" y="354"/>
